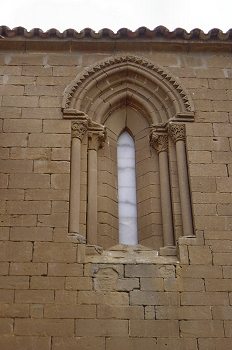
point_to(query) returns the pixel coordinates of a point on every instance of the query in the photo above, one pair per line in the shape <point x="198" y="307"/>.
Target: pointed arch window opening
<point x="127" y="198"/>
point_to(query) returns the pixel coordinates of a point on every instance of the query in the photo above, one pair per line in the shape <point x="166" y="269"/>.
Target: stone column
<point x="177" y="132"/>
<point x="96" y="138"/>
<point x="160" y="143"/>
<point x="78" y="130"/>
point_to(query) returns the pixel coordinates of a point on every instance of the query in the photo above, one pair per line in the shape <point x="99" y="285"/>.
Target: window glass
<point x="127" y="202"/>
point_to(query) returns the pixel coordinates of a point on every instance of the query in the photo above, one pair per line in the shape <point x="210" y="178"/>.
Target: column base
<point x="169" y="250"/>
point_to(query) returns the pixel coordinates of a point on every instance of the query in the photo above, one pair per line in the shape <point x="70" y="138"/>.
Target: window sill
<point x="127" y="254"/>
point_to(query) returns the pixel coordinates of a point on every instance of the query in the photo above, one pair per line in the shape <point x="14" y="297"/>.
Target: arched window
<point x="118" y="94"/>
<point x="127" y="202"/>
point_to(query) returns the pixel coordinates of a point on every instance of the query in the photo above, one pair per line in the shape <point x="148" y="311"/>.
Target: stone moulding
<point x="127" y="80"/>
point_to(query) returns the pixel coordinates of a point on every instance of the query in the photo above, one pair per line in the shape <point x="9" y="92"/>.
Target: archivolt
<point x="127" y="81"/>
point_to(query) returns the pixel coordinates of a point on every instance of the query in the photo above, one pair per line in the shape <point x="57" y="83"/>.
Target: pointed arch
<point x="127" y="81"/>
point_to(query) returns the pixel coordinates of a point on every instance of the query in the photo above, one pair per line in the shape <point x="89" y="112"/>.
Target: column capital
<point x="177" y="132"/>
<point x="96" y="135"/>
<point x="79" y="128"/>
<point x="159" y="141"/>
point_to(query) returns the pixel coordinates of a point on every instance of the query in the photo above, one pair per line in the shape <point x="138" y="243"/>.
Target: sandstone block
<point x="208" y="170"/>
<point x="78" y="283"/>
<point x="65" y="297"/>
<point x="22" y="125"/>
<point x="228" y="329"/>
<point x="196" y="143"/>
<point x="214" y="343"/>
<point x="154" y="328"/>
<point x="10" y="112"/>
<point x="83" y="343"/>
<point x="60" y="181"/>
<point x="176" y="344"/>
<point x="204" y="298"/>
<point x="120" y="312"/>
<point x="53" y="220"/>
<point x="193" y="271"/>
<point x="41" y="112"/>
<point x="13" y="140"/>
<point x="14" y="310"/>
<point x="222" y="312"/>
<point x="222" y="259"/>
<point x="18" y="220"/>
<point x="34" y="296"/>
<point x="144" y="270"/>
<point x="65" y="269"/>
<point x="44" y="327"/>
<point x="49" y="140"/>
<point x="14" y="282"/>
<point x="129" y="343"/>
<point x="50" y="167"/>
<point x="29" y="181"/>
<point x="183" y="313"/>
<point x="42" y="90"/>
<point x="154" y="298"/>
<point x="100" y="328"/>
<point x="50" y="101"/>
<point x="30" y="153"/>
<point x="47" y="282"/>
<point x="63" y="311"/>
<point x="60" y="207"/>
<point x="201" y="329"/>
<point x="6" y="326"/>
<point x="218" y="285"/>
<point x="151" y="284"/>
<point x="25" y="343"/>
<point x="61" y="154"/>
<point x="54" y="252"/>
<point x="183" y="284"/>
<point x="200" y="157"/>
<point x="20" y="101"/>
<point x="36" y="311"/>
<point x="18" y="252"/>
<point x="31" y="234"/>
<point x="27" y="269"/>
<point x="57" y="126"/>
<point x="16" y="166"/>
<point x="37" y="71"/>
<point x="49" y="194"/>
<point x="108" y="298"/>
<point x="200" y="255"/>
<point x="227" y="271"/>
<point x="28" y="207"/>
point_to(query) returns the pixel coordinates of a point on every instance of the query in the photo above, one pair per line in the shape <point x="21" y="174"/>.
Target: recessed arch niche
<point x="126" y="93"/>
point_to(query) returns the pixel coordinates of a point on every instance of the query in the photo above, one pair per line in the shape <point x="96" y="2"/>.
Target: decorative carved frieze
<point x="79" y="128"/>
<point x="177" y="132"/>
<point x="159" y="142"/>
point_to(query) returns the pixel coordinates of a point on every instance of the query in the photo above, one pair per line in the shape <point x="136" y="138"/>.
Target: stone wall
<point x="56" y="295"/>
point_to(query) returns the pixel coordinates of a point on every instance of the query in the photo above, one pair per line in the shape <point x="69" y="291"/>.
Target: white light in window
<point x="127" y="202"/>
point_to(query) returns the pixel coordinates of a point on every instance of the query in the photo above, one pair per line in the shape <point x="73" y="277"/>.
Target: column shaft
<point x="184" y="188"/>
<point x="166" y="199"/>
<point x="74" y="202"/>
<point x="92" y="197"/>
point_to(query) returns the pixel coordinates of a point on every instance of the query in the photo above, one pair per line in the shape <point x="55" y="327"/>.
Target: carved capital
<point x="159" y="142"/>
<point x="79" y="128"/>
<point x="177" y="132"/>
<point x="96" y="135"/>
